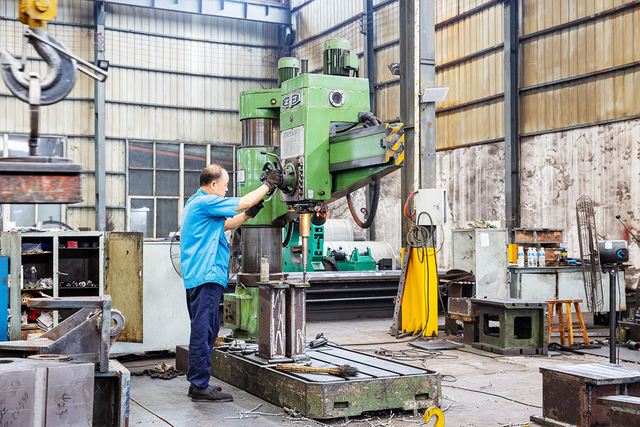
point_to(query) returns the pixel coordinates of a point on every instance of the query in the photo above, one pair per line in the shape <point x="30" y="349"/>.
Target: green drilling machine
<point x="319" y="131"/>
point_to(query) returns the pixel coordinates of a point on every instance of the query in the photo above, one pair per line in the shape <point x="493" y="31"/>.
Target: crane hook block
<point x="61" y="75"/>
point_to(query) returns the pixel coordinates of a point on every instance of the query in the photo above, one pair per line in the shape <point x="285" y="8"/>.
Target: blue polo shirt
<point x="204" y="251"/>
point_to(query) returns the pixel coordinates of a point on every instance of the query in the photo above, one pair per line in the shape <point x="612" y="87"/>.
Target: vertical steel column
<point x="511" y="139"/>
<point x="613" y="276"/>
<point x="99" y="16"/>
<point x="407" y="55"/>
<point x="4" y="298"/>
<point x="427" y="129"/>
<point x="368" y="29"/>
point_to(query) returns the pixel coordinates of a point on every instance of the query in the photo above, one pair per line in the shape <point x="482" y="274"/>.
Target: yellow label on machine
<point x="419" y="310"/>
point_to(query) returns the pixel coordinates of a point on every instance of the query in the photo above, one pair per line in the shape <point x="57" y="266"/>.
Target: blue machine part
<point x="4" y="298"/>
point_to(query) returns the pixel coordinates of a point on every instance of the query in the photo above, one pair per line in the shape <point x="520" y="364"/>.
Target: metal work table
<point x="558" y="283"/>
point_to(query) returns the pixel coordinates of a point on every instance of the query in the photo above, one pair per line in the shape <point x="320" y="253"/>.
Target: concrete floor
<point x="471" y="381"/>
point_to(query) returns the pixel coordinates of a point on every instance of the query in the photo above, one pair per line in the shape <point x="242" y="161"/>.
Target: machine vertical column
<point x="100" y="15"/>
<point x="407" y="42"/>
<point x="370" y="73"/>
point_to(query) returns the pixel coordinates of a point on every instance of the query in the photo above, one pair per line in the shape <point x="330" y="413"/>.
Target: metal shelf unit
<point x="61" y="264"/>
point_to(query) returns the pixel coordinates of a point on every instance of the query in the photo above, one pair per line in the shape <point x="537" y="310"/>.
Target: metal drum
<point x="338" y="229"/>
<point x="259" y="132"/>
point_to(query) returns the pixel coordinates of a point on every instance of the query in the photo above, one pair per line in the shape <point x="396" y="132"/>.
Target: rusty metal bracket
<point x="85" y="336"/>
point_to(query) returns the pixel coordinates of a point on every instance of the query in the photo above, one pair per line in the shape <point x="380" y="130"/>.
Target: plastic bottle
<point x="532" y="258"/>
<point x="264" y="268"/>
<point x="541" y="257"/>
<point x="520" y="256"/>
<point x="33" y="275"/>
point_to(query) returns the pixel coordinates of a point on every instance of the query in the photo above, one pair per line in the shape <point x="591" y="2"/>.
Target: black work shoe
<point x="210" y="394"/>
<point x="214" y="385"/>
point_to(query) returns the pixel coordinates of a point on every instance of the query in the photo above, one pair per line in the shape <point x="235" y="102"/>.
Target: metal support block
<point x="182" y="358"/>
<point x="512" y="326"/>
<point x="470" y="332"/>
<point x="45" y="393"/>
<point x="296" y="322"/>
<point x="272" y="321"/>
<point x="112" y="396"/>
<point x="462" y="307"/>
<point x="570" y="393"/>
<point x="34" y="182"/>
<point x="623" y="410"/>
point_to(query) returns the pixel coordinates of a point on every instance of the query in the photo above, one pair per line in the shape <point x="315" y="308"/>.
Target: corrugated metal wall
<point x="469" y="60"/>
<point x="583" y="56"/>
<point x="173" y="77"/>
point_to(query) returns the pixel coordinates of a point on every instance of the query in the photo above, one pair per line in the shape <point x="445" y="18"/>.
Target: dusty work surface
<point x="479" y="388"/>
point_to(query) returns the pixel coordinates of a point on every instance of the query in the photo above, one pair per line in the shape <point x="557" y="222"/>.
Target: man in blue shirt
<point x="204" y="259"/>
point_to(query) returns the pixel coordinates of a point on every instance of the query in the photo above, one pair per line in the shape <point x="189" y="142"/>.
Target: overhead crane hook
<point x="61" y="75"/>
<point x="34" y="178"/>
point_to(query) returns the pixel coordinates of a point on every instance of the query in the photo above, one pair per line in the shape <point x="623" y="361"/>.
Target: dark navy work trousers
<point x="203" y="303"/>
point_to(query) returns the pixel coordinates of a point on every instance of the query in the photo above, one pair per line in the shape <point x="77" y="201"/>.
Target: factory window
<point x="162" y="177"/>
<point x="225" y="155"/>
<point x="25" y="215"/>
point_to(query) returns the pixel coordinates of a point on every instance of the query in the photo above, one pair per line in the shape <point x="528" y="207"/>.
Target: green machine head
<point x="330" y="143"/>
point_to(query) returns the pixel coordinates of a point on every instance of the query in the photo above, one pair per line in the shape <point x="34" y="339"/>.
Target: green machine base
<point x="381" y="384"/>
<point x="358" y="260"/>
<point x="241" y="313"/>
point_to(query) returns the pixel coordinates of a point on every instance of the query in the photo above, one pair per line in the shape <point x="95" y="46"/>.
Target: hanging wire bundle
<point x="589" y="256"/>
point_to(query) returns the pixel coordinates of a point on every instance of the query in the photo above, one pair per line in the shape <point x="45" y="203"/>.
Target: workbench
<point x="560" y="283"/>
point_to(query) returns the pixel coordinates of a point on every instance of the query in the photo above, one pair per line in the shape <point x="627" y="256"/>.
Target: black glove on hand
<point x="255" y="209"/>
<point x="273" y="180"/>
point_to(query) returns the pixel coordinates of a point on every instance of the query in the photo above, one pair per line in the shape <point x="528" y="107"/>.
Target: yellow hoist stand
<point x="419" y="309"/>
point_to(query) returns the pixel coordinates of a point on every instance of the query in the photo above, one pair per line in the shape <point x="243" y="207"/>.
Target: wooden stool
<point x="568" y="323"/>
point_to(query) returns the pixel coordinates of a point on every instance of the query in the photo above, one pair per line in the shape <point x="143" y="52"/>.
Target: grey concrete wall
<point x="474" y="179"/>
<point x="601" y="162"/>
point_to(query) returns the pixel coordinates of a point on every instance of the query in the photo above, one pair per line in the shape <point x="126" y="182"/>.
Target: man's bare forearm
<point x="236" y="221"/>
<point x="252" y="198"/>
